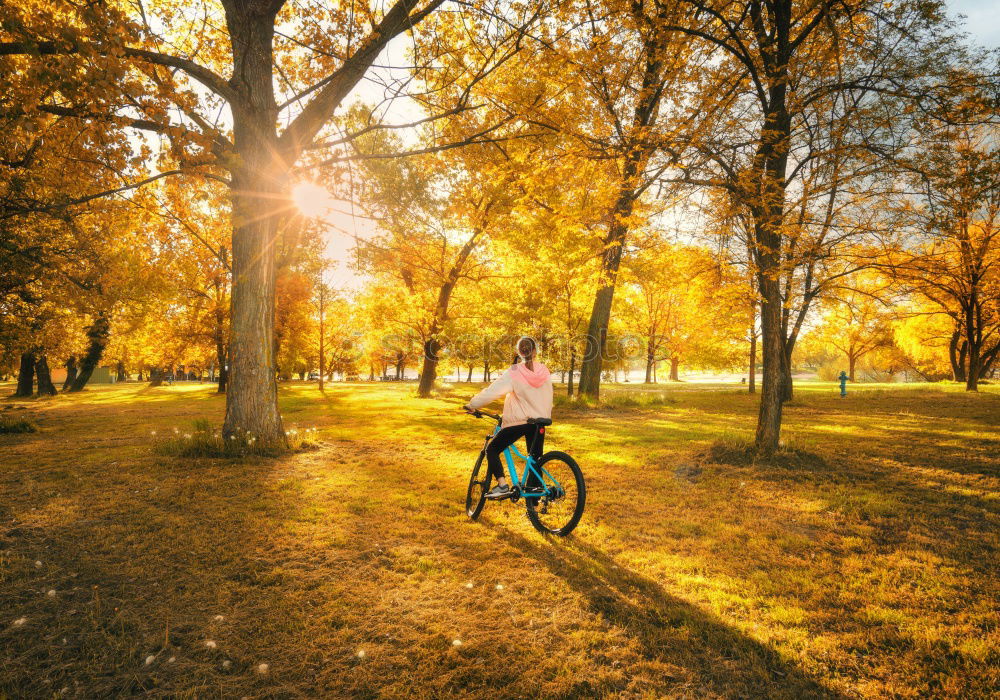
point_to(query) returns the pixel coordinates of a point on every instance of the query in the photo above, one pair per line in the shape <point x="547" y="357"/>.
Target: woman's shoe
<point x="497" y="492"/>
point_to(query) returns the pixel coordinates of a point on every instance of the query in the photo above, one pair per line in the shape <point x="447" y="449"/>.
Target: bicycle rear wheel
<point x="479" y="484"/>
<point x="560" y="509"/>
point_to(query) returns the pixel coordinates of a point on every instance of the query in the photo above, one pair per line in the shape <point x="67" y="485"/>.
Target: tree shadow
<point x="721" y="660"/>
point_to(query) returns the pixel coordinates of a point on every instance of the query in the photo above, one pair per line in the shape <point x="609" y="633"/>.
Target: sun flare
<point x="311" y="199"/>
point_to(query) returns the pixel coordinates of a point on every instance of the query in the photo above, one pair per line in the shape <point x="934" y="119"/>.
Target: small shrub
<point x="829" y="372"/>
<point x="206" y="441"/>
<point x="625" y="399"/>
<point x="563" y="401"/>
<point x="11" y="425"/>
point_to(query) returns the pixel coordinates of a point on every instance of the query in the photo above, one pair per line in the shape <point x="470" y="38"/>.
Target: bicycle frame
<point x="530" y="466"/>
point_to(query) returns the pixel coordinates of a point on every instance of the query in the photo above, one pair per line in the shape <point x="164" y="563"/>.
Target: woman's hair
<point x="517" y="348"/>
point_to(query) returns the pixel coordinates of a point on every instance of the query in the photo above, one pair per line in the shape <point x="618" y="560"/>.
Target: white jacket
<point x="528" y="394"/>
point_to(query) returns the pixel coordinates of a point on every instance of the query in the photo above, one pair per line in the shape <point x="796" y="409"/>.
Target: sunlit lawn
<point x="862" y="562"/>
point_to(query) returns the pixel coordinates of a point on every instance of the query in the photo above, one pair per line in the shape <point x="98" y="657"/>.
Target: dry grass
<point x="10" y="424"/>
<point x="860" y="562"/>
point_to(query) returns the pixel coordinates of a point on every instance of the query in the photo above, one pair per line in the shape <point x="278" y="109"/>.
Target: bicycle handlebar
<point x="479" y="414"/>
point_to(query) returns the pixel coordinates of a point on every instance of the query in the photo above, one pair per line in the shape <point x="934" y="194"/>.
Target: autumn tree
<point x="619" y="74"/>
<point x="949" y="250"/>
<point x="684" y="305"/>
<point x="776" y="63"/>
<point x="857" y="319"/>
<point x="278" y="70"/>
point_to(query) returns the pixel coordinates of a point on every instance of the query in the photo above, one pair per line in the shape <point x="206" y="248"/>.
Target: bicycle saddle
<point x="539" y="421"/>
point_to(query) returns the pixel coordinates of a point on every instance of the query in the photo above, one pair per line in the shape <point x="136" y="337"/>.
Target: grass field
<point x="861" y="562"/>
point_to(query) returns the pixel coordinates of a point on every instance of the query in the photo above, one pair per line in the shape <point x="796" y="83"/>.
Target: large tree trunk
<point x="600" y="314"/>
<point x="258" y="191"/>
<point x="644" y="115"/>
<point x="221" y="350"/>
<point x="772" y="377"/>
<point x="989" y="359"/>
<point x="98" y="336"/>
<point x="120" y="374"/>
<point x="770" y="163"/>
<point x="752" y="369"/>
<point x="572" y="369"/>
<point x="852" y="360"/>
<point x="428" y="375"/>
<point x="428" y="371"/>
<point x="322" y="335"/>
<point x="26" y="375"/>
<point x="674" y="365"/>
<point x="45" y="385"/>
<point x="957" y="370"/>
<point x="649" y="365"/>
<point x="71" y="373"/>
<point x="973" y="334"/>
<point x="787" y="386"/>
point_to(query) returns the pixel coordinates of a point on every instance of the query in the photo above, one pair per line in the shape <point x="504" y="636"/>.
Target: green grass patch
<point x="10" y="425"/>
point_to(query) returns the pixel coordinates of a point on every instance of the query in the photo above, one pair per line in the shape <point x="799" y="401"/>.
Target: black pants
<point x="507" y="437"/>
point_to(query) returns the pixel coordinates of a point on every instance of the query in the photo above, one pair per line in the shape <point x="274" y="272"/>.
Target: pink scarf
<point x="535" y="377"/>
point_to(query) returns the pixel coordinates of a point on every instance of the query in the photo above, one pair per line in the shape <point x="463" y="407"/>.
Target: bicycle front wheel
<point x="479" y="484"/>
<point x="560" y="507"/>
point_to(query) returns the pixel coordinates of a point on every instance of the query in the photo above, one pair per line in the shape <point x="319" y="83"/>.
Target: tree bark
<point x="221" y="350"/>
<point x="649" y="363"/>
<point x="322" y="335"/>
<point x="428" y="375"/>
<point x="98" y="336"/>
<point x="957" y="370"/>
<point x="989" y="358"/>
<point x="600" y="314"/>
<point x="787" y="386"/>
<point x="71" y="369"/>
<point x="120" y="375"/>
<point x="752" y="369"/>
<point x="772" y="377"/>
<point x="572" y="369"/>
<point x="770" y="164"/>
<point x="643" y="115"/>
<point x="259" y="185"/>
<point x="45" y="385"/>
<point x="25" y="375"/>
<point x="973" y="335"/>
<point x="674" y="365"/>
<point x="851" y="362"/>
<point x="428" y="371"/>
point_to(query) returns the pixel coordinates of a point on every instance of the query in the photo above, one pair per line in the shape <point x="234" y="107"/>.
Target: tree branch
<point x="335" y="87"/>
<point x="203" y="75"/>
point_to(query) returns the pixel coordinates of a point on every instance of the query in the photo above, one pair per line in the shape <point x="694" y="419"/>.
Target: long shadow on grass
<point x="719" y="658"/>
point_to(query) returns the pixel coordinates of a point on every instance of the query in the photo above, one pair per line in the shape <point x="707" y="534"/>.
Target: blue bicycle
<point x="552" y="486"/>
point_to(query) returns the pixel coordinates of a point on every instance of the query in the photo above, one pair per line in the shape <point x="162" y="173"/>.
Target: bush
<point x="829" y="372"/>
<point x="10" y="425"/>
<point x="624" y="399"/>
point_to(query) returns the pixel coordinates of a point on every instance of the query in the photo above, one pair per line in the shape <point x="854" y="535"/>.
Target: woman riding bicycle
<point x="527" y="391"/>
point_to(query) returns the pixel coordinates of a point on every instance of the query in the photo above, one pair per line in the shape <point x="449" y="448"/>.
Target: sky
<point x="983" y="19"/>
